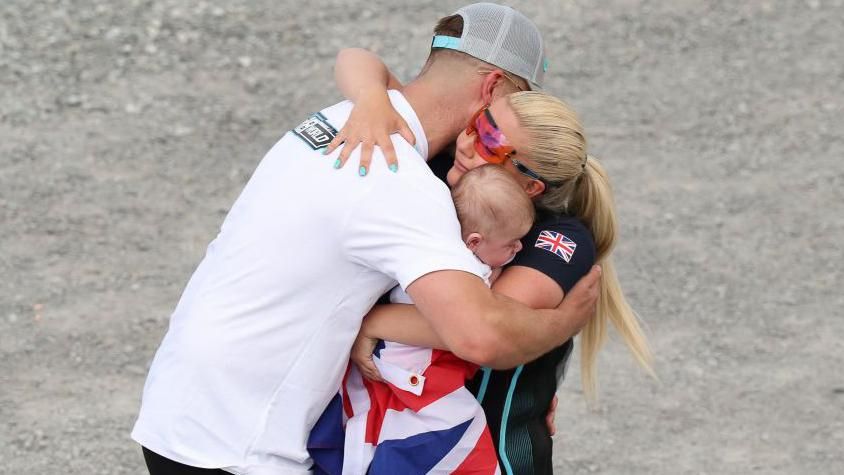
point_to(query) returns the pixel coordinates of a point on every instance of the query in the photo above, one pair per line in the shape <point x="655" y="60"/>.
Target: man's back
<point x="259" y="340"/>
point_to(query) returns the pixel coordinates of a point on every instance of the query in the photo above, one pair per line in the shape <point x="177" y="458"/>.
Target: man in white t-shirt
<point x="258" y="343"/>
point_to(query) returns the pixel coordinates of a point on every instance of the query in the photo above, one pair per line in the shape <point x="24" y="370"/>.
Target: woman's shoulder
<point x="561" y="221"/>
<point x="560" y="247"/>
<point x="562" y="228"/>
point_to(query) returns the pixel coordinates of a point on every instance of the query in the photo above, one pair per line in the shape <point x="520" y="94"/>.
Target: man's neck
<point x="442" y="112"/>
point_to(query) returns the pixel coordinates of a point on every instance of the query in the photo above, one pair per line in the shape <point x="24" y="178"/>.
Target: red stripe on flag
<point x="482" y="459"/>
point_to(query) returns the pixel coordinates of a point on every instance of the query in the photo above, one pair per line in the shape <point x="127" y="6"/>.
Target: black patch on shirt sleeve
<point x="316" y="131"/>
<point x="565" y="274"/>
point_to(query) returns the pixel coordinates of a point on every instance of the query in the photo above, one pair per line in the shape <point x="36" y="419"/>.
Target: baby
<point x="421" y="418"/>
<point x="494" y="214"/>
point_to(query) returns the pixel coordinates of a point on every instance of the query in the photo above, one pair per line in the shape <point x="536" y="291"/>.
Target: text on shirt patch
<point x="556" y="243"/>
<point x="316" y="131"/>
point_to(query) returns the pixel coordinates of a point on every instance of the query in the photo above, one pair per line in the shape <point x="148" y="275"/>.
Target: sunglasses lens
<point x="490" y="138"/>
<point x="489" y="143"/>
<point x="486" y="153"/>
<point x="472" y="128"/>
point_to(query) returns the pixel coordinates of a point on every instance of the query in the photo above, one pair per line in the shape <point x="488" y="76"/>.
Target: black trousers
<point x="158" y="465"/>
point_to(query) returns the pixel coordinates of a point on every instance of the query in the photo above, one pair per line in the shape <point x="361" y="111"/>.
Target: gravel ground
<point x="127" y="129"/>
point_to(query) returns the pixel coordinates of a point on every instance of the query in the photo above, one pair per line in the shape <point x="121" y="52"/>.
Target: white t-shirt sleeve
<point x="406" y="230"/>
<point x="398" y="295"/>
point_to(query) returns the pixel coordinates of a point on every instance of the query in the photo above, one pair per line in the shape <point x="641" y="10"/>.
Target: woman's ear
<point x="473" y="241"/>
<point x="534" y="188"/>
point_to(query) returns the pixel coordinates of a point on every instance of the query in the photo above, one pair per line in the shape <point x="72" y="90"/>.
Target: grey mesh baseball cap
<point x="502" y="37"/>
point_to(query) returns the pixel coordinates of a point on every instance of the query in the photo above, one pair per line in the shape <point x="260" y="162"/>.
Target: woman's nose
<point x="464" y="144"/>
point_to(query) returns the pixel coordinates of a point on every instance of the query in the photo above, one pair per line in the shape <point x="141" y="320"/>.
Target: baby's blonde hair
<point x="491" y="202"/>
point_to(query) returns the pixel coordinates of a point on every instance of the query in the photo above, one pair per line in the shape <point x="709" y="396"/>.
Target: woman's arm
<point x="400" y="323"/>
<point x="529" y="286"/>
<point x="394" y="322"/>
<point x="364" y="79"/>
<point x="357" y="70"/>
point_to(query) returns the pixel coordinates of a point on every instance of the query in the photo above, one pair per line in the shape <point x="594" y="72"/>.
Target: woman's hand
<point x="371" y="122"/>
<point x="550" y="420"/>
<point x="361" y="356"/>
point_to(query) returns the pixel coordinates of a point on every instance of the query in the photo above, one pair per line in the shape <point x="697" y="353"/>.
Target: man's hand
<point x="361" y="356"/>
<point x="579" y="304"/>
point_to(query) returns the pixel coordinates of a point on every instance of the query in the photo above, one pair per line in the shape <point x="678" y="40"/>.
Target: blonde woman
<point x="540" y="141"/>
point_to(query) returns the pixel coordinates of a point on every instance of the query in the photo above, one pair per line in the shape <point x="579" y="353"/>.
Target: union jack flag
<point x="390" y="429"/>
<point x="420" y="421"/>
<point x="557" y="243"/>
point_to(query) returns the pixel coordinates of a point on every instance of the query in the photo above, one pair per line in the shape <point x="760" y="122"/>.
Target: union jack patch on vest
<point x="557" y="243"/>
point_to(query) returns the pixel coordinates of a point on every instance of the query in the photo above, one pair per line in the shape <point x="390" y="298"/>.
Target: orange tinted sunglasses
<point x="490" y="142"/>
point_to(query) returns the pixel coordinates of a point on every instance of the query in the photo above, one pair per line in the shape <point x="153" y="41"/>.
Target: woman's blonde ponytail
<point x="592" y="203"/>
<point x="578" y="186"/>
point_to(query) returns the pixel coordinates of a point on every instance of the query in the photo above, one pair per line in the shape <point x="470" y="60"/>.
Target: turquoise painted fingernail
<point x="337" y="163"/>
<point x="362" y="171"/>
<point x="394" y="168"/>
<point x="325" y="151"/>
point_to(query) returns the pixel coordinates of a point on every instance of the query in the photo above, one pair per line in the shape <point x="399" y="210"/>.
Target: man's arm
<point x="493" y="330"/>
<point x="404" y="324"/>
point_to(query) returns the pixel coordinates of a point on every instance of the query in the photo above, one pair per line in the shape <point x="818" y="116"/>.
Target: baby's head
<point x="494" y="213"/>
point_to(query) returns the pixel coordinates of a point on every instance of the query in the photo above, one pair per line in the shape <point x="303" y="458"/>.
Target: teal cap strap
<point x="448" y="42"/>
